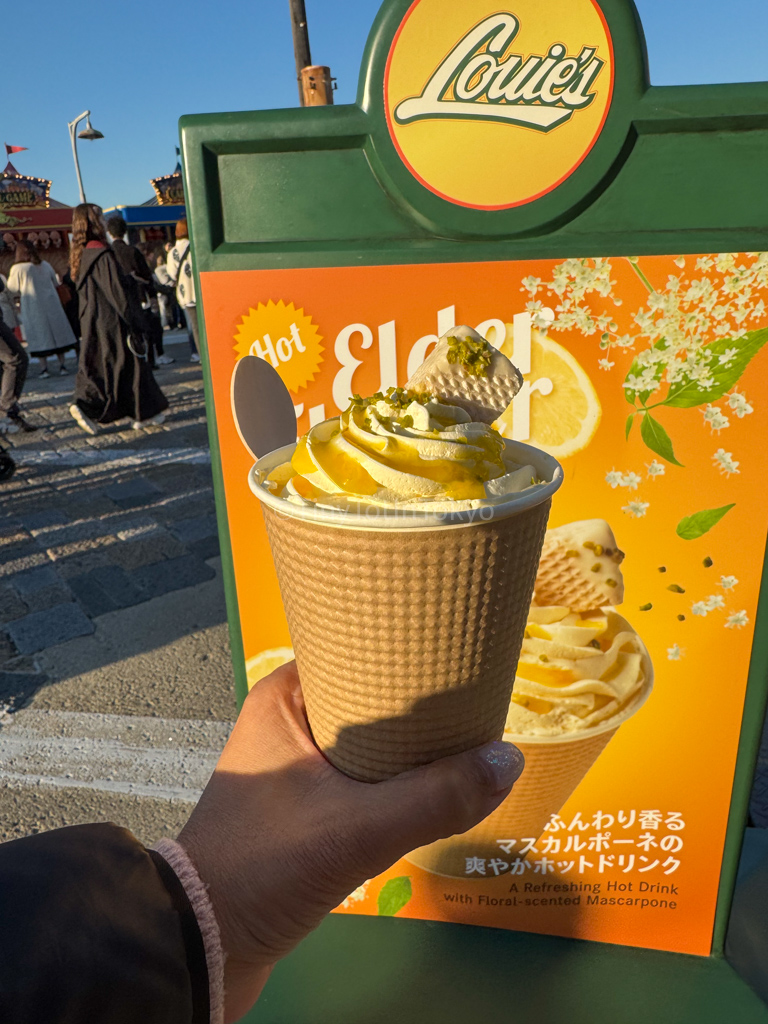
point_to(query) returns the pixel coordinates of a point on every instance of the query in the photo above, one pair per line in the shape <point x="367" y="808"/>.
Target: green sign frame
<point x="675" y="170"/>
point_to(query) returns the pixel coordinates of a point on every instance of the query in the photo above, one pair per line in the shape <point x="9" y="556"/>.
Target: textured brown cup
<point x="406" y="641"/>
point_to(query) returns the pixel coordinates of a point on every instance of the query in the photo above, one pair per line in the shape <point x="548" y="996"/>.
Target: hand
<point x="281" y="837"/>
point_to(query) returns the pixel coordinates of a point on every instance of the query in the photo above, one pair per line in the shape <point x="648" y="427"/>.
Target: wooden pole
<point x="316" y="86"/>
<point x="300" y="42"/>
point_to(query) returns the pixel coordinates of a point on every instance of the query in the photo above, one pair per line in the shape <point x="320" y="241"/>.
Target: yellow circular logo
<point x="493" y="108"/>
<point x="286" y="337"/>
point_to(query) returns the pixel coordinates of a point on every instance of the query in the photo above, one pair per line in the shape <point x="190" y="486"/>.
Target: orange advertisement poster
<point x="643" y="378"/>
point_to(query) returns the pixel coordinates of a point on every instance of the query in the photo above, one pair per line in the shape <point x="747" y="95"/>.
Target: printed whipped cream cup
<point x="555" y="764"/>
<point x="407" y="622"/>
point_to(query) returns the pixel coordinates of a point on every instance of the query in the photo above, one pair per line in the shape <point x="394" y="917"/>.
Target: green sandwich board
<point x="510" y="167"/>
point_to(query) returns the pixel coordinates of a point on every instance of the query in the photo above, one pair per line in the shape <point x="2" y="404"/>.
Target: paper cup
<point x="407" y="627"/>
<point x="554" y="767"/>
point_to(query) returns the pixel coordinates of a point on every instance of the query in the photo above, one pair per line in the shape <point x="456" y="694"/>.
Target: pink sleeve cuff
<point x="197" y="895"/>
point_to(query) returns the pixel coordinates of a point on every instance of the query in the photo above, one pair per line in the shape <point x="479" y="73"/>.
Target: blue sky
<point x="140" y="65"/>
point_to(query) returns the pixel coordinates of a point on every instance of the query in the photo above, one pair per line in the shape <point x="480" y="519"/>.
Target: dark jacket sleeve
<point x="95" y="929"/>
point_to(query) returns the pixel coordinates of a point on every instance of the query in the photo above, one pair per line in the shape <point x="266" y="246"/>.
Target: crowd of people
<point x="111" y="308"/>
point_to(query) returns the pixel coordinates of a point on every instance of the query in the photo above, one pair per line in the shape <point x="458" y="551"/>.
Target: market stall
<point x="27" y="212"/>
<point x="154" y="221"/>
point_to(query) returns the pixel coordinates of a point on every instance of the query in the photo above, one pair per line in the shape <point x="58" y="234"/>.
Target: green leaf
<point x="628" y="428"/>
<point x="394" y="896"/>
<point x="687" y="394"/>
<point x="636" y="369"/>
<point x="657" y="439"/>
<point x="700" y="523"/>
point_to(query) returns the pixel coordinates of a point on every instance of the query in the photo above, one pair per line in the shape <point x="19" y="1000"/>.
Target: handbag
<point x="64" y="293"/>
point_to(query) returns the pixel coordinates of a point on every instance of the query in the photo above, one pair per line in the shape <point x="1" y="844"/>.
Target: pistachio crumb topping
<point x="681" y="618"/>
<point x="472" y="354"/>
<point x="675" y="588"/>
<point x="590" y="544"/>
<point x="662" y="568"/>
<point x="646" y="607"/>
<point x="708" y="563"/>
<point x="596" y="644"/>
<point x="543" y="657"/>
<point x="598" y="549"/>
<point x="571" y="553"/>
<point x="400" y="398"/>
<point x="596" y="567"/>
<point x="610" y="583"/>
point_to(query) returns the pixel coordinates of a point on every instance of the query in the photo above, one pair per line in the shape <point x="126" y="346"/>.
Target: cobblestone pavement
<point x="110" y="604"/>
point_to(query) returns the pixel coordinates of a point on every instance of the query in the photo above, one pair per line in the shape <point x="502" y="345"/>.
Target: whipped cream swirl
<point x="576" y="671"/>
<point x="401" y="449"/>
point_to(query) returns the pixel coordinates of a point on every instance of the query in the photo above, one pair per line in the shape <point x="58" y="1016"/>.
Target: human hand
<point x="281" y="837"/>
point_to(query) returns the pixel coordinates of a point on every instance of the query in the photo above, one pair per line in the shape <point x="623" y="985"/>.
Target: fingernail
<point x="504" y="762"/>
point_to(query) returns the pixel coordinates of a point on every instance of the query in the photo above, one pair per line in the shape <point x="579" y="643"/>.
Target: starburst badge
<point x="285" y="337"/>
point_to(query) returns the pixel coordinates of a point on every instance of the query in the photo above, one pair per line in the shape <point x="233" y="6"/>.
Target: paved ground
<point x="115" y="677"/>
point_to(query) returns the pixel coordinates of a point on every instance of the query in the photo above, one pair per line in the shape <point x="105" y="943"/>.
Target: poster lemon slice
<point x="262" y="664"/>
<point x="564" y="421"/>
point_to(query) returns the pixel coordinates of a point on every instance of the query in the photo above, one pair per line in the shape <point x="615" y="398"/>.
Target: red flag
<point x="14" y="149"/>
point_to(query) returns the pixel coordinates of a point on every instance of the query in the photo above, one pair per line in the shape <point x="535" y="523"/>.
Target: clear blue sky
<point x="140" y="65"/>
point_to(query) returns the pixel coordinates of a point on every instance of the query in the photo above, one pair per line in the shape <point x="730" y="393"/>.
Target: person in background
<point x="166" y="295"/>
<point x="7" y="308"/>
<point x="97" y="929"/>
<point x="134" y="266"/>
<point x="14" y="363"/>
<point x="114" y="379"/>
<point x="46" y="328"/>
<point x="179" y="266"/>
<point x="70" y="306"/>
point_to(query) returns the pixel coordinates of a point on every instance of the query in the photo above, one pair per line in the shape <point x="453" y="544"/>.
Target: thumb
<point x="437" y="800"/>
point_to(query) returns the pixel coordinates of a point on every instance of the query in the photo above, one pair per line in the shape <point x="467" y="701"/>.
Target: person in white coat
<point x="46" y="328"/>
<point x="179" y="266"/>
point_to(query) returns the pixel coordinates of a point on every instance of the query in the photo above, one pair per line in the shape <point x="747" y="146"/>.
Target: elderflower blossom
<point x="636" y="509"/>
<point x="675" y="652"/>
<point x="727" y="357"/>
<point x="614" y="479"/>
<point x="681" y="318"/>
<point x="736" y="620"/>
<point x="715" y="418"/>
<point x="725" y="462"/>
<point x="531" y="284"/>
<point x="605" y="364"/>
<point x="728" y="582"/>
<point x="740" y="405"/>
<point x="358" y="894"/>
<point x="715" y="602"/>
<point x="655" y="469"/>
<point x="700" y="608"/>
<point x="629" y="480"/>
<point x="645" y="381"/>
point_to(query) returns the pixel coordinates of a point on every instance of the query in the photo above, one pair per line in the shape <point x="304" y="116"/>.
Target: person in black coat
<point x="134" y="265"/>
<point x="114" y="379"/>
<point x="97" y="929"/>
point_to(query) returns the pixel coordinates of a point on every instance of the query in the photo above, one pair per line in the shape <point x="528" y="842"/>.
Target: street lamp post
<point x="87" y="133"/>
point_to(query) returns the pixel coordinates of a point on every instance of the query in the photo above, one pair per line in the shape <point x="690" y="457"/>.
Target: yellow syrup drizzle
<point x="462" y="478"/>
<point x="345" y="471"/>
<point x="547" y="675"/>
